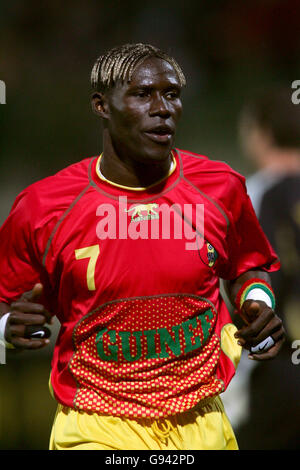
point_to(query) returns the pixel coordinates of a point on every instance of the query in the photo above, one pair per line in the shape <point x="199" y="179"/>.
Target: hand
<point x="261" y="322"/>
<point x="25" y="314"/>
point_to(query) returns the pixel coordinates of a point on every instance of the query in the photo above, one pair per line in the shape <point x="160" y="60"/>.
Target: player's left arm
<point x="262" y="325"/>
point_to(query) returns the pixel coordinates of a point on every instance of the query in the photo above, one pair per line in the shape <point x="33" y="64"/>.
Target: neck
<point x="121" y="169"/>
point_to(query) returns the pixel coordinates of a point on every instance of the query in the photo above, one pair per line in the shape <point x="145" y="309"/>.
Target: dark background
<point x="228" y="50"/>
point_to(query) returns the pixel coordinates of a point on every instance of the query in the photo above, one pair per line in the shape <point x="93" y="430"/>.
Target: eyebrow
<point x="150" y="86"/>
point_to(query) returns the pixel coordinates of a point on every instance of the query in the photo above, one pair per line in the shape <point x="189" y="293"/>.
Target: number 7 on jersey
<point x="91" y="252"/>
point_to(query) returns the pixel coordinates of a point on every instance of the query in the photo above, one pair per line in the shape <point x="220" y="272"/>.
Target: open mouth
<point x="162" y="134"/>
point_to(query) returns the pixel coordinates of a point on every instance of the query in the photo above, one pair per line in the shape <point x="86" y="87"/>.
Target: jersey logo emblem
<point x="211" y="255"/>
<point x="208" y="254"/>
<point x="143" y="212"/>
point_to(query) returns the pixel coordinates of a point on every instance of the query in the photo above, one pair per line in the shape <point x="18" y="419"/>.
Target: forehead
<point x="154" y="71"/>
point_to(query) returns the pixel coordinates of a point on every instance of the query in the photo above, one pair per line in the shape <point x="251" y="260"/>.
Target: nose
<point x="159" y="106"/>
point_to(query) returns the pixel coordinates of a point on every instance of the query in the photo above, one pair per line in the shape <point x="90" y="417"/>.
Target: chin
<point x="156" y="155"/>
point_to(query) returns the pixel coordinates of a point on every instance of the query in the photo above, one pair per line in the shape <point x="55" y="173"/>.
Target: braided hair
<point x="120" y="62"/>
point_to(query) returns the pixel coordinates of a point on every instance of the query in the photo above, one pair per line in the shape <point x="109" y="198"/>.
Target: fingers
<point x="34" y="294"/>
<point x="271" y="353"/>
<point x="35" y="314"/>
<point x="25" y="325"/>
<point x="264" y="324"/>
<point x="251" y="310"/>
<point x="267" y="324"/>
<point x="263" y="345"/>
<point x="27" y="308"/>
<point x="29" y="331"/>
<point x="37" y="332"/>
<point x="24" y="343"/>
<point x="28" y="303"/>
<point x="21" y="331"/>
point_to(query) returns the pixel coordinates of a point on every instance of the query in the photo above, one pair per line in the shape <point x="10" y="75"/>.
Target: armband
<point x="3" y="321"/>
<point x="255" y="289"/>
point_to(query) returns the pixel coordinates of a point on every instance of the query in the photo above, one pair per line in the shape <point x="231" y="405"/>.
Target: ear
<point x="100" y="104"/>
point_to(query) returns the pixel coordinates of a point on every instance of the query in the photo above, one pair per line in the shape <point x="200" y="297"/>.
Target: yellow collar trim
<point x="102" y="177"/>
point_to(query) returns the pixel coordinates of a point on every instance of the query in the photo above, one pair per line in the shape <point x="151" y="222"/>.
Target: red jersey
<point x="137" y="296"/>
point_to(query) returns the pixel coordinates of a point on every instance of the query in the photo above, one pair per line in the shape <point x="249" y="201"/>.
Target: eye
<point x="172" y="94"/>
<point x="142" y="93"/>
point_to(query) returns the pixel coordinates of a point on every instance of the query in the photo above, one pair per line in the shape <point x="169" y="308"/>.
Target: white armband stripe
<point x="259" y="294"/>
<point x="3" y="321"/>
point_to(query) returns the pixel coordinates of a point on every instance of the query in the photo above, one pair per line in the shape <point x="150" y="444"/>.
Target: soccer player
<point x="127" y="249"/>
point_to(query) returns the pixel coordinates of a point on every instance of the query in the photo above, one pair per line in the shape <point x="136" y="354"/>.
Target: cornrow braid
<point x="120" y="62"/>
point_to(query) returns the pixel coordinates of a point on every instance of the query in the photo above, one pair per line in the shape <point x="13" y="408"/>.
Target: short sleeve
<point x="19" y="266"/>
<point x="247" y="246"/>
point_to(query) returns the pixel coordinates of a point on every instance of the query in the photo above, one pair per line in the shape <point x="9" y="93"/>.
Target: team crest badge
<point x="211" y="255"/>
<point x="143" y="212"/>
<point x="208" y="254"/>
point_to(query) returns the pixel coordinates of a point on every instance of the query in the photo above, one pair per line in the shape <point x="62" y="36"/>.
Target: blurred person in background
<point x="270" y="137"/>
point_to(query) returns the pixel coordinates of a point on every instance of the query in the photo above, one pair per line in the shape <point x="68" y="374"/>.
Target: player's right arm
<point x="22" y="240"/>
<point x="26" y="314"/>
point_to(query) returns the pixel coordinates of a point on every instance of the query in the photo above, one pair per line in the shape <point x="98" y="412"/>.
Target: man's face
<point x="143" y="114"/>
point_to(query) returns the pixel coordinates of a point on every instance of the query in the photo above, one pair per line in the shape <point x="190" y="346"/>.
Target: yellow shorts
<point x="203" y="428"/>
